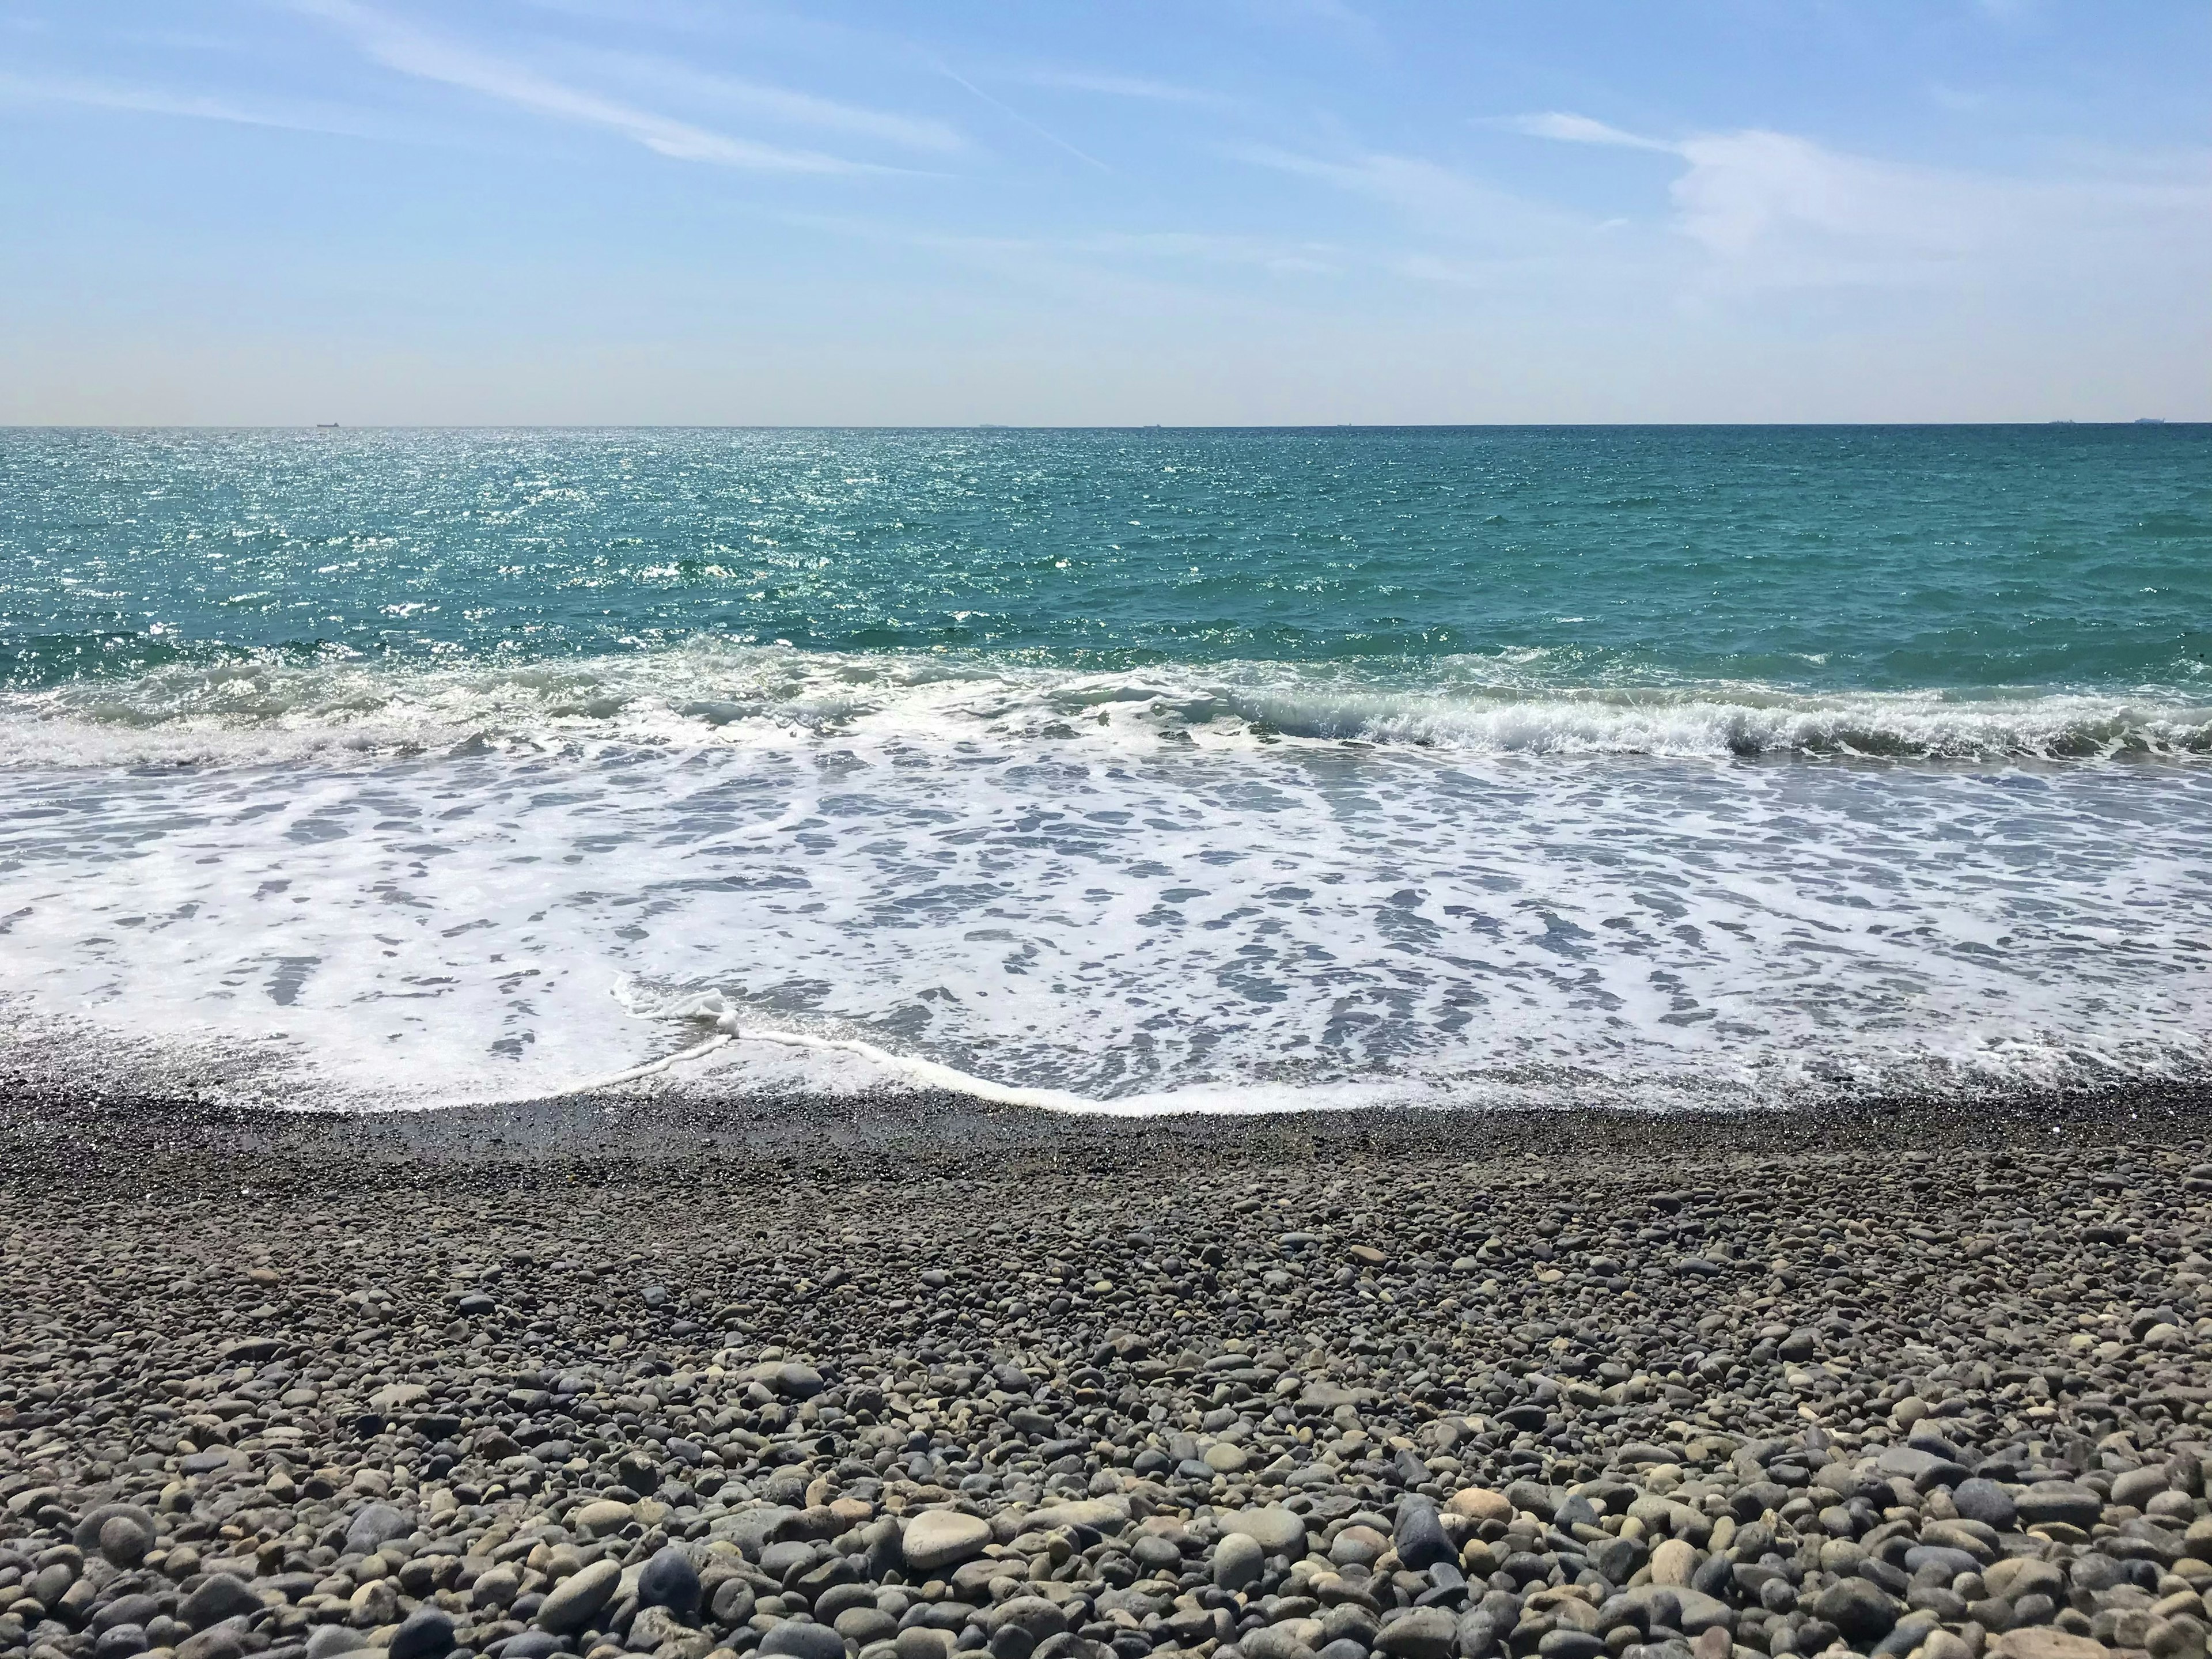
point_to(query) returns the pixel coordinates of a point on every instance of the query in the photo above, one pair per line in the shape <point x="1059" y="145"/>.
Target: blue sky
<point x="1213" y="210"/>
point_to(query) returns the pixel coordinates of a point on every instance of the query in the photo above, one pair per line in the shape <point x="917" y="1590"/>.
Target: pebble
<point x="670" y="1581"/>
<point x="803" y="1641"/>
<point x="937" y="1538"/>
<point x="221" y="1595"/>
<point x="576" y="1600"/>
<point x="985" y="1383"/>
<point x="426" y="1633"/>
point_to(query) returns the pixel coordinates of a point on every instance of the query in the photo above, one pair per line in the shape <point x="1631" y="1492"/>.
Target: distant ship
<point x="326" y="426"/>
<point x="2150" y="420"/>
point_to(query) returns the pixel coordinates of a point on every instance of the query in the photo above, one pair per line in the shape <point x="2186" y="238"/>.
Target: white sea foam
<point x="1152" y="914"/>
<point x="709" y="695"/>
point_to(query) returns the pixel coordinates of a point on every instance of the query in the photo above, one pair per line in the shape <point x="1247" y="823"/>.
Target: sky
<point x="1103" y="212"/>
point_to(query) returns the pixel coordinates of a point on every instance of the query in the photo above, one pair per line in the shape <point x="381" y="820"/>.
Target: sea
<point x="1114" y="771"/>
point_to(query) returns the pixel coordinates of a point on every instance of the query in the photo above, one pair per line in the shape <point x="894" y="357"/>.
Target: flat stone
<point x="222" y="1595"/>
<point x="576" y="1600"/>
<point x="1109" y="1513"/>
<point x="1962" y="1535"/>
<point x="1860" y="1608"/>
<point x="375" y="1525"/>
<point x="803" y="1641"/>
<point x="1949" y="1562"/>
<point x="601" y="1517"/>
<point x="2023" y="1575"/>
<point x="1041" y="1619"/>
<point x="787" y="1377"/>
<point x="224" y="1640"/>
<point x="1273" y="1642"/>
<point x="2046" y="1641"/>
<point x="1278" y="1530"/>
<point x="2059" y="1502"/>
<point x="1697" y="1610"/>
<point x="936" y="1539"/>
<point x="1985" y="1501"/>
<point x="126" y="1610"/>
<point x="1424" y="1633"/>
<point x="328" y="1641"/>
<point x="1924" y="1468"/>
<point x="1480" y="1504"/>
<point x="865" y="1625"/>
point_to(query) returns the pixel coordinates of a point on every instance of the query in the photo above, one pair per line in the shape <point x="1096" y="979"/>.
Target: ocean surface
<point x="1140" y="769"/>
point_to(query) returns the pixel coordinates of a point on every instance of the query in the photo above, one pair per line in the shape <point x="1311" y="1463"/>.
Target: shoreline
<point x="898" y="1375"/>
<point x="38" y="1107"/>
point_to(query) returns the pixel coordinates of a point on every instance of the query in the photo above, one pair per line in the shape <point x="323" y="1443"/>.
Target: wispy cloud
<point x="1960" y="100"/>
<point x="1119" y="86"/>
<point x="409" y="50"/>
<point x="1336" y="14"/>
<point x="149" y="102"/>
<point x="1015" y="116"/>
<point x="784" y="103"/>
<point x="1564" y="127"/>
<point x="1436" y="198"/>
<point x="1089" y="254"/>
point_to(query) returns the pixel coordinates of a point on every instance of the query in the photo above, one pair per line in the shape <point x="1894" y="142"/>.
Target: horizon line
<point x="1012" y="426"/>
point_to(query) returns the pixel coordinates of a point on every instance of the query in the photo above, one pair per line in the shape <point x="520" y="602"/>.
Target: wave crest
<point x="263" y="711"/>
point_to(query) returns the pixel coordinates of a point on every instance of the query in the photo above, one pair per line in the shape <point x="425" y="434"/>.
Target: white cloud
<point x="410" y="52"/>
<point x="1746" y="190"/>
<point x="1777" y="210"/>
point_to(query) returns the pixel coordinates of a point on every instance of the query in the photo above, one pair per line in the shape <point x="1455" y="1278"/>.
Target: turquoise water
<point x="1206" y="768"/>
<point x="1830" y="558"/>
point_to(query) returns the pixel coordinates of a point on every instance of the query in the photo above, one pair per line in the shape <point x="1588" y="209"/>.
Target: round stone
<point x="670" y="1581"/>
<point x="427" y="1633"/>
<point x="1238" y="1561"/>
<point x="125" y="1541"/>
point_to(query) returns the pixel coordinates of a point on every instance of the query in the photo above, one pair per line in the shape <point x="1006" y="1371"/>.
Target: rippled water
<point x="1215" y="769"/>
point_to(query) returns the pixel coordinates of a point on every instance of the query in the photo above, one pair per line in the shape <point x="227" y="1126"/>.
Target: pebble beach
<point x="902" y="1378"/>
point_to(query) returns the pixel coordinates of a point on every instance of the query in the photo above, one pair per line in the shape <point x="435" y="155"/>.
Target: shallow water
<point x="1718" y="767"/>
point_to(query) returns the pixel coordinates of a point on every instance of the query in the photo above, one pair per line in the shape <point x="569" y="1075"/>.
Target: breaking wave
<point x="263" y="710"/>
